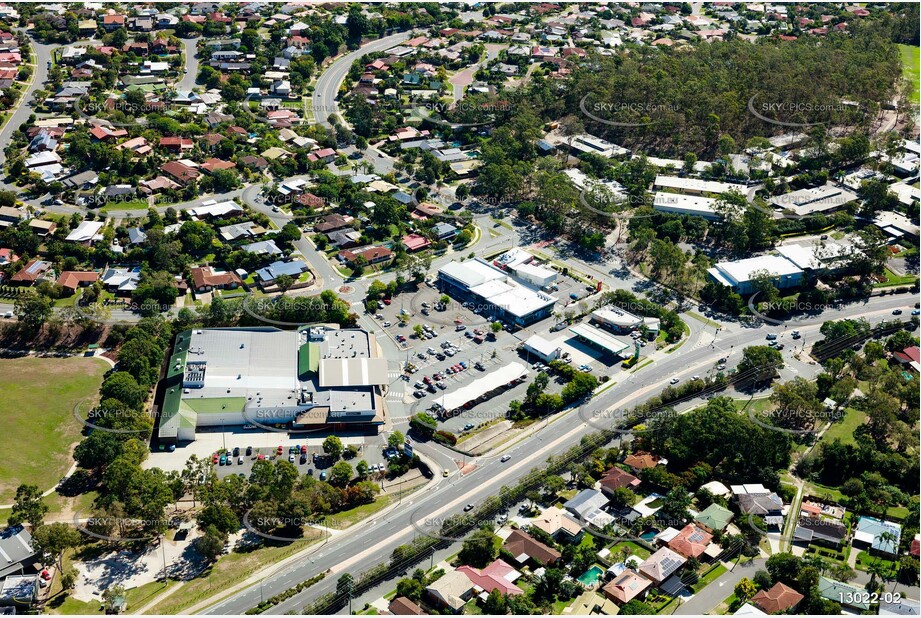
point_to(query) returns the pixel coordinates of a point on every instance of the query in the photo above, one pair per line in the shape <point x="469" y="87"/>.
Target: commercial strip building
<point x="541" y="348"/>
<point x="678" y="204"/>
<point x="814" y="200"/>
<point x="601" y="340"/>
<point x="481" y="389"/>
<point x="521" y="264"/>
<point x="494" y="293"/>
<point x="741" y="274"/>
<point x="318" y="377"/>
<point x="694" y="186"/>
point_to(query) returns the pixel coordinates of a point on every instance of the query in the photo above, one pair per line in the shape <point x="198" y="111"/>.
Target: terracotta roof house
<point x="333" y="221"/>
<point x="313" y="201"/>
<point x="182" y="173"/>
<point x="778" y="600"/>
<point x="558" y="523"/>
<point x="626" y="586"/>
<point x="31" y="272"/>
<point x="70" y="280"/>
<point x="254" y="161"/>
<point x="205" y="279"/>
<point x="372" y="255"/>
<point x="7" y="256"/>
<point x="401" y="606"/>
<point x="525" y="547"/>
<point x="615" y="478"/>
<point x="908" y="355"/>
<point x="415" y="242"/>
<point x="661" y="565"/>
<point x="217" y="164"/>
<point x="643" y="461"/>
<point x="691" y="541"/>
<point x="497" y="575"/>
<point x="177" y="144"/>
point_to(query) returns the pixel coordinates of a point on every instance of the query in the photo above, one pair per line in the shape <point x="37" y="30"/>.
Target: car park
<point x="442" y="386"/>
<point x="239" y="461"/>
<point x="419" y="394"/>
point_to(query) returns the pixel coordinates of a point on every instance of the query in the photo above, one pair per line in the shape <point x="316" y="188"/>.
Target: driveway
<point x="720" y="588"/>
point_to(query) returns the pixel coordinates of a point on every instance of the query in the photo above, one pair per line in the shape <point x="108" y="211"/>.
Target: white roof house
<point x="590" y="144"/>
<point x="86" y="231"/>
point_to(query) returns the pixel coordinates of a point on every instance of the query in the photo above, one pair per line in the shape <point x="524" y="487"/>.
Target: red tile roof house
<point x="615" y="479"/>
<point x="31" y="272"/>
<point x="643" y="461"/>
<point x="310" y="200"/>
<point x="401" y="606"/>
<point x="498" y="575"/>
<point x="778" y="600"/>
<point x="908" y="355"/>
<point x="691" y="541"/>
<point x="372" y="255"/>
<point x="104" y="133"/>
<point x="7" y="257"/>
<point x="177" y="144"/>
<point x="415" y="242"/>
<point x="111" y="22"/>
<point x="525" y="547"/>
<point x="70" y="280"/>
<point x="333" y="222"/>
<point x="205" y="279"/>
<point x="213" y="164"/>
<point x="182" y="173"/>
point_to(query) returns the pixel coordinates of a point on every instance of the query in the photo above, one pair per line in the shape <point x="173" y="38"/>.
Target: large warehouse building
<point x="740" y="275"/>
<point x="494" y="292"/>
<point x="319" y="377"/>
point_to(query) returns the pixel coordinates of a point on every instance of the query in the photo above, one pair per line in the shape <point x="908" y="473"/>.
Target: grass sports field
<point x="36" y="413"/>
<point x="911" y="69"/>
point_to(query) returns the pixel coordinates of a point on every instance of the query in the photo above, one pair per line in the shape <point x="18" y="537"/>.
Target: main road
<point x="372" y="542"/>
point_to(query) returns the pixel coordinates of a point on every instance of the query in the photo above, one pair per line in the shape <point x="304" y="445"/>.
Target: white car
<point x="674" y="381"/>
<point x="386" y="324"/>
<point x="505" y="458"/>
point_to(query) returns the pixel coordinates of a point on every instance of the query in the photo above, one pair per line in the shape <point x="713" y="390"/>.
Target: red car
<point x="280" y="449"/>
<point x="303" y="449"/>
<point x="427" y="380"/>
<point x="387" y="301"/>
<point x="214" y="458"/>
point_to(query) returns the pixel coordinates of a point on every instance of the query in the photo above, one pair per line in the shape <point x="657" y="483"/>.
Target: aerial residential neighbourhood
<point x="484" y="308"/>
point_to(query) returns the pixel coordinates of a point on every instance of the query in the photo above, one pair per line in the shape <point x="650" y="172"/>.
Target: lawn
<point x="911" y="70"/>
<point x="37" y="417"/>
<point x="865" y="561"/>
<point x="345" y="519"/>
<point x="225" y="573"/>
<point x="635" y="550"/>
<point x="709" y="578"/>
<point x="893" y="280"/>
<point x="139" y="204"/>
<point x="844" y="430"/>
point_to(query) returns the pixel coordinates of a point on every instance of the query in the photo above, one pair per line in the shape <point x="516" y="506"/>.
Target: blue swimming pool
<point x="591" y="577"/>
